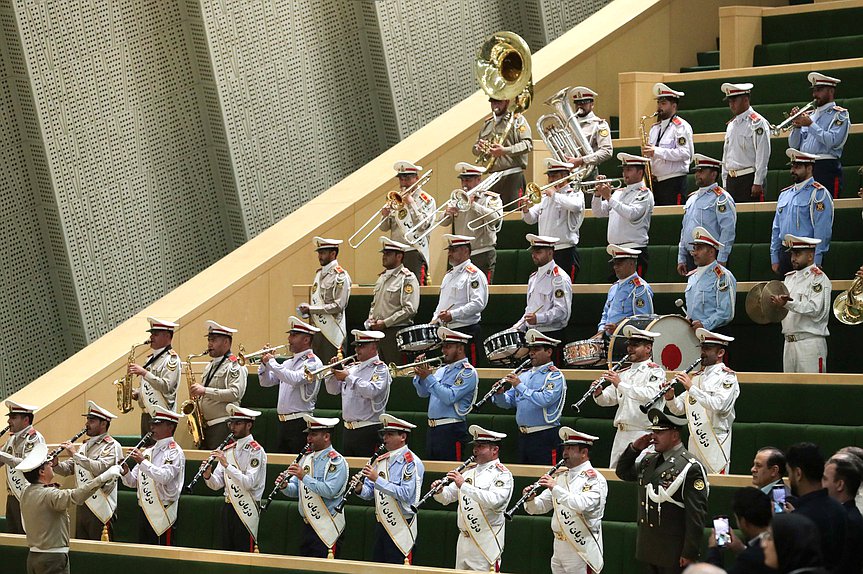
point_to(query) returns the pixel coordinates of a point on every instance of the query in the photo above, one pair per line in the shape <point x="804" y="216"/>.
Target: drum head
<point x="676" y="349"/>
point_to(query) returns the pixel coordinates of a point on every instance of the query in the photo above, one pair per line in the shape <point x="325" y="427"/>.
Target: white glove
<point x="112" y="473"/>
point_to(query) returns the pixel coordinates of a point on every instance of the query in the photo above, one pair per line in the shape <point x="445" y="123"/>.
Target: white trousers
<point x="468" y="556"/>
<point x="621" y="441"/>
<point x="566" y="560"/>
<point x="807" y="356"/>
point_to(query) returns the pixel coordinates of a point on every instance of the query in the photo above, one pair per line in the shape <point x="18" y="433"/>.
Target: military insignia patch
<point x="558" y="293"/>
<point x="692" y="400"/>
<point x="332" y="468"/>
<point x="403" y="213"/>
<point x="409" y="288"/>
<point x="314" y="287"/>
<point x="407" y="475"/>
<point x="382" y="474"/>
<point x="838" y="122"/>
<point x="172" y="365"/>
<point x="498" y="483"/>
<point x="603" y="133"/>
<point x="375" y="377"/>
<point x="147" y="456"/>
<point x="255" y="463"/>
<point x="549" y="386"/>
<point x="522" y="128"/>
<point x="817" y="287"/>
<point x="458" y="382"/>
<point x="474" y="284"/>
<point x="469" y="480"/>
<point x="307" y="469"/>
<point x="698" y="484"/>
<point x="586" y="488"/>
<point x="759" y="131"/>
<point x="819" y="206"/>
<point x="681" y="140"/>
<point x="234" y="374"/>
<point x="721" y="208"/>
<point x="653" y="378"/>
<point x="639" y="302"/>
<point x="727" y="385"/>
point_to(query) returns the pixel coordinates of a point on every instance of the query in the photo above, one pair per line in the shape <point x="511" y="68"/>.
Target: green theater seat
<point x="827" y="24"/>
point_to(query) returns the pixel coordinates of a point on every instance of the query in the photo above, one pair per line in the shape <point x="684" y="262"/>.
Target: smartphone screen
<point x="778" y="495"/>
<point x="723" y="530"/>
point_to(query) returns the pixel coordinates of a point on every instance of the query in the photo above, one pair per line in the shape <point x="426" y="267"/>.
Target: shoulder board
<point x="553" y="369"/>
<point x="172" y="445"/>
<point x="501" y="467"/>
<point x="31" y="432"/>
<point x="839" y="109"/>
<point x="636" y="281"/>
<point x="339" y="269"/>
<point x="173" y="353"/>
<point x="466" y="365"/>
<point x="555" y="270"/>
<point x="816" y="271"/>
<point x="424" y="197"/>
<point x="379" y="362"/>
<point x="590" y="473"/>
<point x="652" y="365"/>
<point x="718" y="190"/>
<point x="230" y="446"/>
<point x="107" y="438"/>
<point x="405" y="271"/>
<point x="718" y="271"/>
<point x="676" y="121"/>
<point x="754" y="117"/>
<point x="409" y="456"/>
<point x="727" y="370"/>
<point x="817" y="185"/>
<point x="471" y="269"/>
<point x="254" y="445"/>
<point x="333" y="455"/>
<point x="233" y="358"/>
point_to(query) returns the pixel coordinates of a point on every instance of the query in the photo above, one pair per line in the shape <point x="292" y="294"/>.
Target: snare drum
<point x="506" y="347"/>
<point x="417" y="338"/>
<point x="676" y="349"/>
<point x="584" y="353"/>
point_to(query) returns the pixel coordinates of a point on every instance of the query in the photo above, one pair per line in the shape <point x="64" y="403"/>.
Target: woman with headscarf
<point x="792" y="545"/>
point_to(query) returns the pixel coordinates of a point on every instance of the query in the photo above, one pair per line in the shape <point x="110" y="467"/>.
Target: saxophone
<point x="644" y="142"/>
<point x="191" y="408"/>
<point x="124" y="385"/>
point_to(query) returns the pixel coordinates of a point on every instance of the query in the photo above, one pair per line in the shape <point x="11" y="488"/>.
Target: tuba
<point x="191" y="407"/>
<point x="124" y="385"/>
<point x="848" y="306"/>
<point x="503" y="71"/>
<point x="561" y="132"/>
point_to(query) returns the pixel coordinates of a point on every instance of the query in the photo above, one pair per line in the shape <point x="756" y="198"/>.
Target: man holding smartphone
<point x="751" y="509"/>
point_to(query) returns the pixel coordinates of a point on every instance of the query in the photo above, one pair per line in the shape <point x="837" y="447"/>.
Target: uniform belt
<point x="623" y="427"/>
<point x="559" y="535"/>
<point x="359" y="424"/>
<point x="60" y="550"/>
<point x="530" y="430"/>
<point x="292" y="417"/>
<point x="441" y="422"/>
<point x="740" y="172"/>
<point x="799" y="337"/>
<point x="510" y="171"/>
<point x="214" y="422"/>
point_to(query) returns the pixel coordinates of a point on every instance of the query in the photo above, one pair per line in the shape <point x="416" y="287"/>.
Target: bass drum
<point x="676" y="349"/>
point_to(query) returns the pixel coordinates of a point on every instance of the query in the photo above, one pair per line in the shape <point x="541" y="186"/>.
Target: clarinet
<point x="533" y="488"/>
<point x="355" y="480"/>
<point x="208" y="462"/>
<point x="143" y="440"/>
<point x="443" y="483"/>
<point x="280" y="480"/>
<point x="59" y="449"/>
<point x="601" y="381"/>
<point x="497" y="386"/>
<point x="5" y="430"/>
<point x="664" y="389"/>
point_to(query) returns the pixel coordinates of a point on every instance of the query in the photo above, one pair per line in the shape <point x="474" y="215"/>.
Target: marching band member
<point x="804" y="209"/>
<point x="241" y="471"/>
<point x="318" y="480"/>
<point x="577" y="501"/>
<point x="630" y="388"/>
<point x="160" y="375"/>
<point x="672" y="495"/>
<point x="549" y="291"/>
<point x="297" y="395"/>
<point x="510" y="155"/>
<point x="158" y="478"/>
<point x="394" y="482"/>
<point x="595" y="129"/>
<point x="560" y="214"/>
<point x="483" y="492"/>
<point x="823" y="133"/>
<point x="223" y="383"/>
<point x="483" y="252"/>
<point x="463" y="292"/>
<point x="330" y="292"/>
<point x="629" y="295"/>
<point x="99" y="453"/>
<point x="710" y="288"/>
<point x="365" y="389"/>
<point x="708" y="403"/>
<point x="808" y="304"/>
<point x="747" y="147"/>
<point x="396" y="299"/>
<point x="669" y="148"/>
<point x="538" y="396"/>
<point x="710" y="207"/>
<point x="451" y="390"/>
<point x="22" y="438"/>
<point x="418" y="206"/>
<point x="44" y="508"/>
<point x="628" y="209"/>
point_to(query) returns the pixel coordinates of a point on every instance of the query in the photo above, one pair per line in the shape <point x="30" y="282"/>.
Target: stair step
<point x="698" y="69"/>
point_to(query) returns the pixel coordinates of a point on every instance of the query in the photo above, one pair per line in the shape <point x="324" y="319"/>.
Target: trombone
<point x="459" y="199"/>
<point x="532" y="195"/>
<point x="395" y="201"/>
<point x="786" y="124"/>
<point x="590" y="186"/>
<point x="255" y="358"/>
<point x="396" y="370"/>
<point x="324" y="371"/>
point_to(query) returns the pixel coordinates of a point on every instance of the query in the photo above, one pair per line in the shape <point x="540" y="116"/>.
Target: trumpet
<point x="141" y="442"/>
<point x="534" y="188"/>
<point x="396" y="370"/>
<point x="281" y="480"/>
<point x="395" y="201"/>
<point x="324" y="371"/>
<point x="664" y="388"/>
<point x="497" y="386"/>
<point x="786" y="124"/>
<point x="597" y="384"/>
<point x="443" y="483"/>
<point x="590" y="186"/>
<point x="207" y="463"/>
<point x="255" y="358"/>
<point x="355" y="479"/>
<point x="533" y="196"/>
<point x="459" y="199"/>
<point x="59" y="449"/>
<point x="533" y="488"/>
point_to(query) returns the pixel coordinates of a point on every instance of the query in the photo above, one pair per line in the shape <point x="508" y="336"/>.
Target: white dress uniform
<point x="251" y="471"/>
<point x="489" y="486"/>
<point x="464" y="292"/>
<point x="673" y="148"/>
<point x="364" y="392"/>
<point x="805" y="326"/>
<point x="628" y="211"/>
<point x="297" y="395"/>
<point x="716" y="389"/>
<point x="583" y="490"/>
<point x="549" y="290"/>
<point x="747" y="146"/>
<point x="559" y="215"/>
<point x="638" y="384"/>
<point x="165" y="464"/>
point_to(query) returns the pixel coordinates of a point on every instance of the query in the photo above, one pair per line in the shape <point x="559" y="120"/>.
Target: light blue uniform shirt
<point x="450" y="388"/>
<point x="827" y="133"/>
<point x="805" y="210"/>
<point x="711" y="291"/>
<point x="328" y="478"/>
<point x="713" y="209"/>
<point x="403" y="480"/>
<point x="627" y="297"/>
<point x="539" y="399"/>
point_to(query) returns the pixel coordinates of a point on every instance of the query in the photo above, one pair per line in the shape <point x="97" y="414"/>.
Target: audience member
<point x="792" y="545"/>
<point x="768" y="468"/>
<point x="751" y="509"/>
<point x="842" y="480"/>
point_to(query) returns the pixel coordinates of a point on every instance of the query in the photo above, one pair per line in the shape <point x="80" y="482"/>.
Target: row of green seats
<point x="830" y="47"/>
<point x="811" y="25"/>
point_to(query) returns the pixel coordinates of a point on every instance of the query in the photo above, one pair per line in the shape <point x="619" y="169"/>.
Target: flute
<point x="355" y="480"/>
<point x="598" y="383"/>
<point x="281" y="480"/>
<point x="664" y="388"/>
<point x="533" y="488"/>
<point x="443" y="483"/>
<point x="208" y="462"/>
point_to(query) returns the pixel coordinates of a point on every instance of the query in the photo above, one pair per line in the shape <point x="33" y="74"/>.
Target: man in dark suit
<point x="672" y="496"/>
<point x="842" y="475"/>
<point x="751" y="508"/>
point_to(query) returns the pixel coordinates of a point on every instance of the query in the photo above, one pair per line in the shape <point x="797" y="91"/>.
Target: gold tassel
<point x="105" y="536"/>
<point x="407" y="561"/>
<point x="339" y="355"/>
<point x="330" y="554"/>
<point x="256" y="550"/>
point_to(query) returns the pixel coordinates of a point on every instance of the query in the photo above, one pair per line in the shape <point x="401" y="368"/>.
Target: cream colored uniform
<point x="805" y="326"/>
<point x="598" y="135"/>
<point x="490" y="486"/>
<point x="163" y="376"/>
<point x="13" y="452"/>
<point x="716" y="389"/>
<point x="583" y="490"/>
<point x="401" y="220"/>
<point x="396" y="298"/>
<point x="165" y="463"/>
<point x="334" y="286"/>
<point x="485" y="238"/>
<point x="227" y="386"/>
<point x="517" y="143"/>
<point x="638" y="384"/>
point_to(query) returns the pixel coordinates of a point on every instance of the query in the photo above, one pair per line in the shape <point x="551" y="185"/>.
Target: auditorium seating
<point x="792" y="38"/>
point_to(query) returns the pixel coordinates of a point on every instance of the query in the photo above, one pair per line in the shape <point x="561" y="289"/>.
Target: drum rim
<point x="655" y="318"/>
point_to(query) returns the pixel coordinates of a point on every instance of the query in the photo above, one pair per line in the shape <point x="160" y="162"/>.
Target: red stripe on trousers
<point x="458" y="450"/>
<point x="820" y="364"/>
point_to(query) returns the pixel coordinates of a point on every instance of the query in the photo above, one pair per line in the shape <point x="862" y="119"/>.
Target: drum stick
<point x="437" y="320"/>
<point x="522" y="321"/>
<point x="679" y="304"/>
